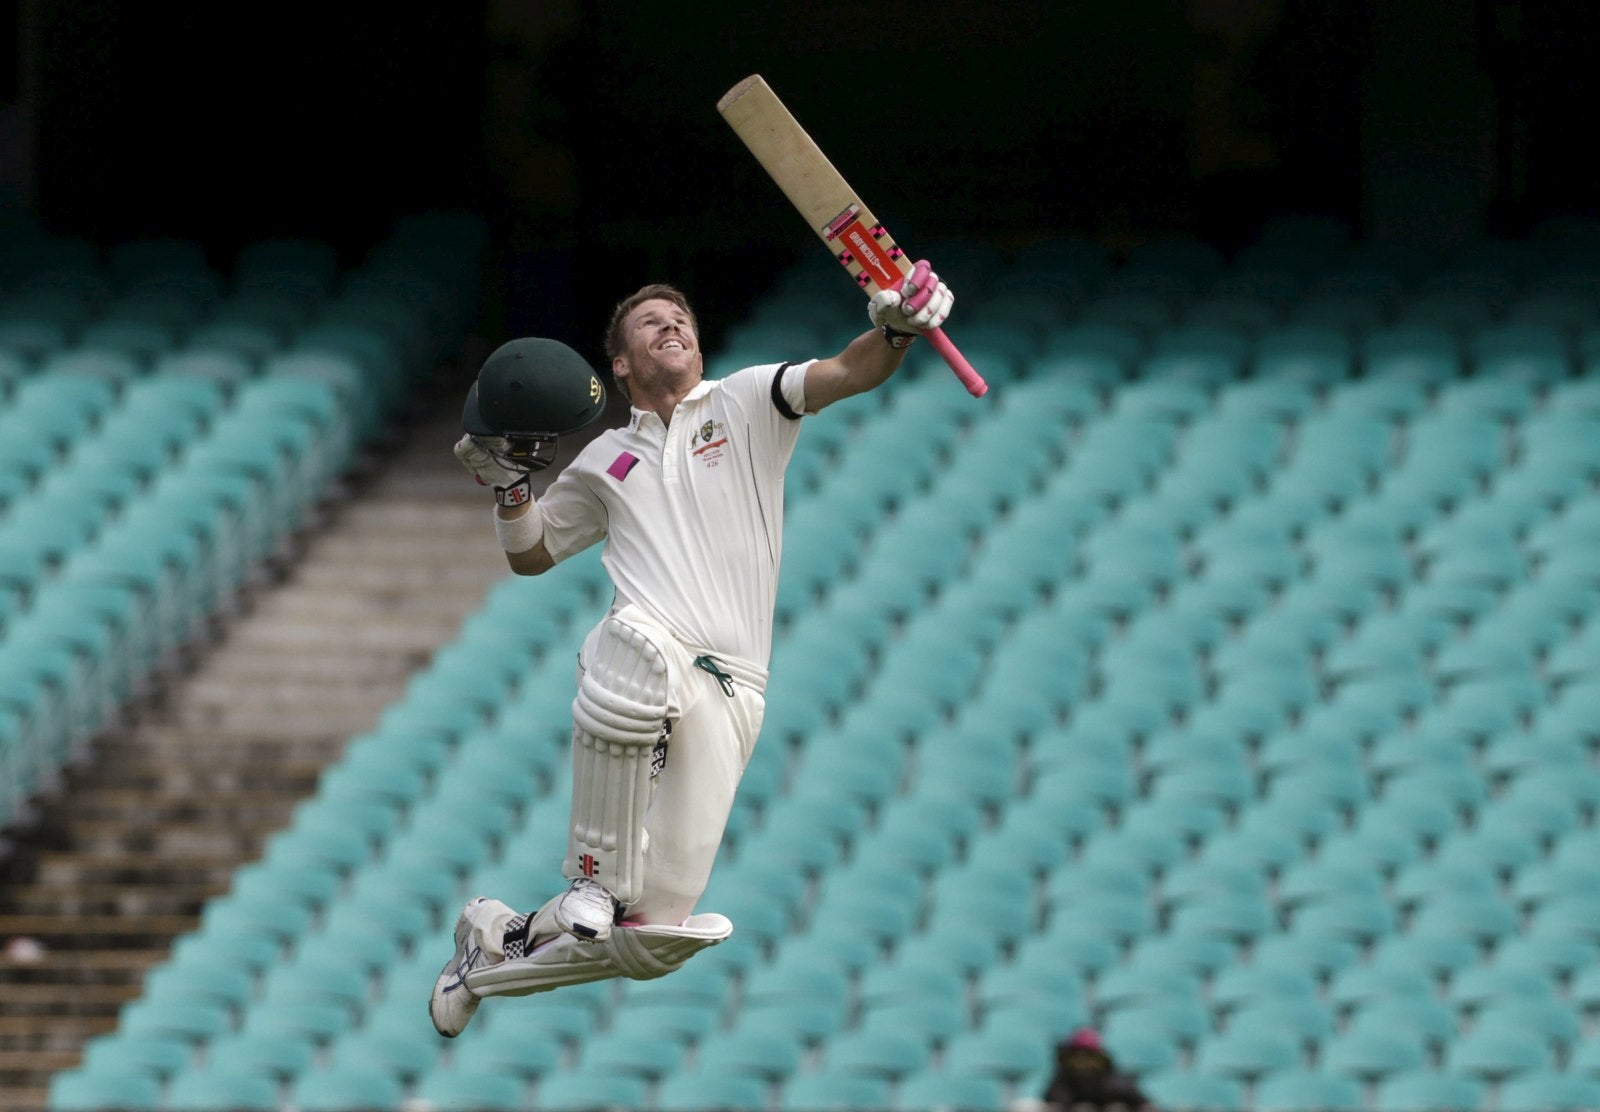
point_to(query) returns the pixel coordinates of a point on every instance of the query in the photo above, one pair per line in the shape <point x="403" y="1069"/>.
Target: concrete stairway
<point x="156" y="819"/>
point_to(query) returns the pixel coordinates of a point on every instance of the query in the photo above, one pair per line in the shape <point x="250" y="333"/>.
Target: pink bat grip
<point x="970" y="378"/>
<point x="958" y="362"/>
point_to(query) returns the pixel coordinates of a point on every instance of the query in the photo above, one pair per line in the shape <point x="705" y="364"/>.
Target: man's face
<point x="659" y="345"/>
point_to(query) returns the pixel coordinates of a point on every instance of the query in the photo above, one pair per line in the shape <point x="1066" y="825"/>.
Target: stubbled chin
<point x="677" y="362"/>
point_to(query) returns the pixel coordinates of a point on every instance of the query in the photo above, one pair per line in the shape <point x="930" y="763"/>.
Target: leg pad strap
<point x="643" y="952"/>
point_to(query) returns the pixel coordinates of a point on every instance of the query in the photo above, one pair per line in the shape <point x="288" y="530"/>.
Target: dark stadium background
<point x="587" y="132"/>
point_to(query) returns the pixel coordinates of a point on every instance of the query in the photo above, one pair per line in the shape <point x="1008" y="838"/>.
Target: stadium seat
<point x="1322" y="954"/>
<point x="281" y="1056"/>
<point x="932" y="1021"/>
<point x="1308" y="1019"/>
<point x="118" y="1053"/>
<point x="749" y="1052"/>
<point x="221" y="1088"/>
<point x="1376" y="1046"/>
<point x="877" y="1051"/>
<point x="1132" y="984"/>
<point x="192" y="1019"/>
<point x="1439" y="951"/>
<point x="702" y="1088"/>
<point x="1357" y="984"/>
<point x="207" y="978"/>
<point x="947" y="1089"/>
<point x="1387" y="397"/>
<point x="1499" y="1053"/>
<point x="457" y="1086"/>
<point x="1547" y="1017"/>
<point x="803" y="1020"/>
<point x="998" y="1053"/>
<point x="1240" y="921"/>
<point x="1242" y="985"/>
<point x="1249" y="1054"/>
<point x="1243" y="845"/>
<point x="1189" y="1091"/>
<point x="581" y="1091"/>
<point x="92" y="1090"/>
<point x="1549" y="1092"/>
<point x="1304" y="1090"/>
<point x="1584" y="1061"/>
<point x="319" y="1020"/>
<point x="1485" y="919"/>
<point x="1559" y="953"/>
<point x="1424" y="1013"/>
<point x="833" y="1092"/>
<point x="1175" y="1020"/>
<point x="1425" y="1090"/>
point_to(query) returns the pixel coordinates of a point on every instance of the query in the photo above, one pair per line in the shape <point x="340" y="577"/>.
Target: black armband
<point x="779" y="402"/>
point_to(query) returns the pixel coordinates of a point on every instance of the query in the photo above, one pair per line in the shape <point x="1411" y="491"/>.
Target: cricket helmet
<point x="529" y="392"/>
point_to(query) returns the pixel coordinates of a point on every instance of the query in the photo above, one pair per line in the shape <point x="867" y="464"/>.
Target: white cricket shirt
<point x="691" y="512"/>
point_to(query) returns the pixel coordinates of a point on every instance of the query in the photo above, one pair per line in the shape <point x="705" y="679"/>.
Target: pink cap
<point x="1085" y="1037"/>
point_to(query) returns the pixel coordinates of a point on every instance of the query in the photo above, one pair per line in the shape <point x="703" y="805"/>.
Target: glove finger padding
<point x="929" y="305"/>
<point x="921" y="303"/>
<point x="472" y="455"/>
<point x="477" y="454"/>
<point x="917" y="288"/>
<point x="884" y="309"/>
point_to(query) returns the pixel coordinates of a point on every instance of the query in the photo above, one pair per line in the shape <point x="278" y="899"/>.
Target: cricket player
<point x="688" y="500"/>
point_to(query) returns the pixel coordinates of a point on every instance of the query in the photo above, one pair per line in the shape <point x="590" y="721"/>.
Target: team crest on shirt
<point x="710" y="443"/>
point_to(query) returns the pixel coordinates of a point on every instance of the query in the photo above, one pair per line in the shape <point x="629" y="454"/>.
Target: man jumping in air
<point x="688" y="499"/>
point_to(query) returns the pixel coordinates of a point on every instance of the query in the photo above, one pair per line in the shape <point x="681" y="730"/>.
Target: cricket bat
<point x="827" y="202"/>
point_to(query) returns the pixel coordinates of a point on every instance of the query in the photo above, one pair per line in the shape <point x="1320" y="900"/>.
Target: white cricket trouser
<point x="713" y="734"/>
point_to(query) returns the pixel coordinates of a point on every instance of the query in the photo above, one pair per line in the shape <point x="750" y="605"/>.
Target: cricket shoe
<point x="588" y="911"/>
<point x="452" y="1004"/>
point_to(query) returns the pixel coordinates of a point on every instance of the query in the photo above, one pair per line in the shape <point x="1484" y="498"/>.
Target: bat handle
<point x="970" y="378"/>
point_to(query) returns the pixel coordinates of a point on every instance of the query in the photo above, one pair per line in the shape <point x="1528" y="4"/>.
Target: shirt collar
<point x="639" y="416"/>
<point x="701" y="389"/>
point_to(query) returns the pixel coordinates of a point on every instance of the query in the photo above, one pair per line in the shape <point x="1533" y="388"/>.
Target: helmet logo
<point x="594" y="388"/>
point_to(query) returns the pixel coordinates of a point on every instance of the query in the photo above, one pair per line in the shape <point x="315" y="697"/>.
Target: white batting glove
<point x="477" y="455"/>
<point x="922" y="302"/>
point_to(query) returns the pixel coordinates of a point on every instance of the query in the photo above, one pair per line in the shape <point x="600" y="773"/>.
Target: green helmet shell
<point x="533" y="387"/>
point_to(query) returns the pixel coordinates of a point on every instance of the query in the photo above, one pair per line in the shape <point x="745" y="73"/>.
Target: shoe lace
<point x="469" y="961"/>
<point x="593" y="892"/>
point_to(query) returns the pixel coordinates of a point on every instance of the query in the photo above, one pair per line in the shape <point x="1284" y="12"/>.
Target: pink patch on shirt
<point x="622" y="465"/>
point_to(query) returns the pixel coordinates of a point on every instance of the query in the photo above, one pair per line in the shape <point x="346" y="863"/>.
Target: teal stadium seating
<point x="1226" y="679"/>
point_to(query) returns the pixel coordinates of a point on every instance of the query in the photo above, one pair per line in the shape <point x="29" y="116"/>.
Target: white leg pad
<point x="643" y="953"/>
<point x="619" y="737"/>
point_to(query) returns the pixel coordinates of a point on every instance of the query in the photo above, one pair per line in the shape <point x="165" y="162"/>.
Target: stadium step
<point x="68" y="932"/>
<point x="49" y="1000"/>
<point x="184" y="806"/>
<point x="65" y="868"/>
<point x="121" y="899"/>
<point x="19" y="1065"/>
<point x="85" y="967"/>
<point x="54" y="1034"/>
<point x="159" y="834"/>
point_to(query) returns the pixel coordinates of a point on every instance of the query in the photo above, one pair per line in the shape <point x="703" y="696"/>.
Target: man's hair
<point x="655" y="291"/>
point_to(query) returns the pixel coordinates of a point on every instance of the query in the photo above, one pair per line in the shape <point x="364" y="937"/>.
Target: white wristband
<point x="520" y="533"/>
